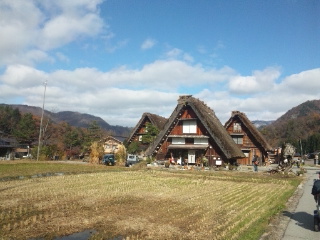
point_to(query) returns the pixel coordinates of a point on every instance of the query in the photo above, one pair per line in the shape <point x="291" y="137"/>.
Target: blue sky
<point x="117" y="59"/>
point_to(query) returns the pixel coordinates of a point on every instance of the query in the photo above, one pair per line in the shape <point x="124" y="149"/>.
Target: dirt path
<point x="296" y="222"/>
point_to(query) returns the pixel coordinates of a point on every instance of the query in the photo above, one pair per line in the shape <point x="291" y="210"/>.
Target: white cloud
<point x="37" y="56"/>
<point x="61" y="57"/>
<point x="21" y="76"/>
<point x="272" y="101"/>
<point x="167" y="75"/>
<point x="153" y="88"/>
<point x="174" y="53"/>
<point x="304" y="82"/>
<point x="65" y="29"/>
<point x="159" y="75"/>
<point x="18" y="27"/>
<point x="187" y="57"/>
<point x="118" y="45"/>
<point x="260" y="81"/>
<point x="33" y="26"/>
<point x="122" y="95"/>
<point x="148" y="43"/>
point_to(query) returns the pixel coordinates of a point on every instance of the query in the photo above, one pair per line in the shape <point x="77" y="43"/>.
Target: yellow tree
<point x="121" y="155"/>
<point x="96" y="152"/>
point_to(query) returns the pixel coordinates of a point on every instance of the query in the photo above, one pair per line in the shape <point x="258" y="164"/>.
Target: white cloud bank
<point x="122" y="95"/>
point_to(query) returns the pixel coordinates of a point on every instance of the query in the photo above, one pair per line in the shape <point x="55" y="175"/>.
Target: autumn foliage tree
<point x="121" y="155"/>
<point x="96" y="152"/>
<point x="58" y="140"/>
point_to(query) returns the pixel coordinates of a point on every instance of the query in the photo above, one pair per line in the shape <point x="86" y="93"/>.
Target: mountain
<point x="299" y="122"/>
<point x="261" y="123"/>
<point x="74" y="119"/>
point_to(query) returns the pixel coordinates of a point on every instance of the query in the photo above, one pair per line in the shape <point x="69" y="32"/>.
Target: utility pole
<point x="44" y="97"/>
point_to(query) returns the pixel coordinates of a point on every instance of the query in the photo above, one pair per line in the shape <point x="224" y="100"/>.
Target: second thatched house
<point x="247" y="137"/>
<point x="193" y="132"/>
<point x="140" y="132"/>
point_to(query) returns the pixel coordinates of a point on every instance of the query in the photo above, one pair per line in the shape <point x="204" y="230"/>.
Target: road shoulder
<point x="278" y="225"/>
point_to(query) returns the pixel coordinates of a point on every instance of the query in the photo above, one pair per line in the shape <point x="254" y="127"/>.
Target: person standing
<point x="316" y="189"/>
<point x="255" y="163"/>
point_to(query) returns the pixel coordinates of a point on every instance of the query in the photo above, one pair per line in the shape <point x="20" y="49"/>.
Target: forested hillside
<point x="69" y="130"/>
<point x="299" y="124"/>
<point x="74" y="119"/>
<point x="57" y="139"/>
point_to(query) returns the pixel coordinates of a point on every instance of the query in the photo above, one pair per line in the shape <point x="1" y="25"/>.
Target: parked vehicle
<point x="109" y="159"/>
<point x="313" y="155"/>
<point x="132" y="159"/>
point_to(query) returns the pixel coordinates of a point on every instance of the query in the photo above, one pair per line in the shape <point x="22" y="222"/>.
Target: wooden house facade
<point x="111" y="145"/>
<point x="140" y="129"/>
<point x="192" y="132"/>
<point x="247" y="137"/>
<point x="7" y="147"/>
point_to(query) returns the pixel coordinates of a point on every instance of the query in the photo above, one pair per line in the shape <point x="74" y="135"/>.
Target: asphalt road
<point x="300" y="225"/>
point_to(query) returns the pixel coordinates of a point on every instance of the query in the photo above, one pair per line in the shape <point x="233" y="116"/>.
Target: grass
<point x="139" y="203"/>
<point x="27" y="169"/>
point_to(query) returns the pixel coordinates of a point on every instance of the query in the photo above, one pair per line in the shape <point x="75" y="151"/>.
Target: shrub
<point x="167" y="164"/>
<point x="96" y="152"/>
<point x="149" y="160"/>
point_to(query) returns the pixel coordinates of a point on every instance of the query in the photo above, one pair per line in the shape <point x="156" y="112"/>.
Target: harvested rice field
<point x="143" y="204"/>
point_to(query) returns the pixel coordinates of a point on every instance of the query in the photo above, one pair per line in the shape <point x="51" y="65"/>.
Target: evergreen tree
<point x="9" y="118"/>
<point x="94" y="132"/>
<point x="71" y="140"/>
<point x="25" y="130"/>
<point x="134" y="147"/>
<point x="151" y="133"/>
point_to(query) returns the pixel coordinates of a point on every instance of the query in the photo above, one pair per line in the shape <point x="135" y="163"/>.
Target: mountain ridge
<point x="75" y="119"/>
<point x="299" y="122"/>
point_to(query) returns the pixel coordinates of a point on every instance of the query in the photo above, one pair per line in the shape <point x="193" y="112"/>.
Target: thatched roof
<point x="8" y="142"/>
<point x="113" y="139"/>
<point x="155" y="120"/>
<point x="250" y="126"/>
<point x="209" y="120"/>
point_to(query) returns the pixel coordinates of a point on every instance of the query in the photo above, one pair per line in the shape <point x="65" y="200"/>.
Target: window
<point x="201" y="141"/>
<point x="190" y="126"/>
<point x="237" y="127"/>
<point x="238" y="139"/>
<point x="246" y="154"/>
<point x="178" y="140"/>
<point x="140" y="138"/>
